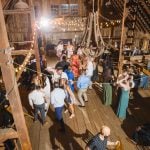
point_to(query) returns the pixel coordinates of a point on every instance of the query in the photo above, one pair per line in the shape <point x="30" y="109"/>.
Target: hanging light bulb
<point x="21" y="5"/>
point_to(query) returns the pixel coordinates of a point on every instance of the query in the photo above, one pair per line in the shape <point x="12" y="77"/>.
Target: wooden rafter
<point x="21" y="52"/>
<point x="144" y="13"/>
<point x="22" y="42"/>
<point x="22" y="11"/>
<point x="122" y="42"/>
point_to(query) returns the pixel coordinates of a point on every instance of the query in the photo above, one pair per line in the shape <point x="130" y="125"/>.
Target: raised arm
<point x="112" y="143"/>
<point x="30" y="101"/>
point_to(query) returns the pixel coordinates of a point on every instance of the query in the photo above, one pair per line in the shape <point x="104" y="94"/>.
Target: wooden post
<point x="9" y="79"/>
<point x="80" y="8"/>
<point x="44" y="8"/>
<point x="37" y="55"/>
<point x="122" y="42"/>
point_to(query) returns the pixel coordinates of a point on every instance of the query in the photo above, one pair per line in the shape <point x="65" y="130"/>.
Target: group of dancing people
<point x="74" y="73"/>
<point x="57" y="85"/>
<point x="66" y="85"/>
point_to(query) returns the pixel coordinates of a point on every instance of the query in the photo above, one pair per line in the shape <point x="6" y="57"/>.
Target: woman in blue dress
<point x="70" y="78"/>
<point x="126" y="84"/>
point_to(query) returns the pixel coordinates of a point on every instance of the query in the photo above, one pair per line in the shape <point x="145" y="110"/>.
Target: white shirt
<point x="57" y="97"/>
<point x="60" y="47"/>
<point x="79" y="51"/>
<point x="57" y="76"/>
<point x="36" y="97"/>
<point x="46" y="89"/>
<point x="90" y="68"/>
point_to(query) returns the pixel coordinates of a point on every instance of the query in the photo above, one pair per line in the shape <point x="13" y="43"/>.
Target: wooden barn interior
<point x="31" y="29"/>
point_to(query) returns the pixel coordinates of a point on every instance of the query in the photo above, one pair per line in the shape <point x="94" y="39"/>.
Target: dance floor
<point x="87" y="121"/>
<point x="144" y="93"/>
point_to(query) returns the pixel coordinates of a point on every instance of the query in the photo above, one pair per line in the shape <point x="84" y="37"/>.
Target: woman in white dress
<point x="46" y="88"/>
<point x="70" y="49"/>
<point x="70" y="98"/>
<point x="90" y="69"/>
<point x="59" y="49"/>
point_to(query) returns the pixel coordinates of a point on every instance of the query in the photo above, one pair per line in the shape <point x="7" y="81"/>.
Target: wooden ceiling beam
<point x="143" y="20"/>
<point x="21" y="52"/>
<point x="16" y="11"/>
<point x="24" y="42"/>
<point x="145" y="7"/>
<point x="141" y="24"/>
<point x="115" y="6"/>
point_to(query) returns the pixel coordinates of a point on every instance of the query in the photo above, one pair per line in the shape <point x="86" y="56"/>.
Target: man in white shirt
<point x="46" y="88"/>
<point x="57" y="100"/>
<point x="59" y="74"/>
<point x="37" y="102"/>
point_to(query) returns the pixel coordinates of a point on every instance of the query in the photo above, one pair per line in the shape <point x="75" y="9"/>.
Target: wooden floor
<point x="88" y="119"/>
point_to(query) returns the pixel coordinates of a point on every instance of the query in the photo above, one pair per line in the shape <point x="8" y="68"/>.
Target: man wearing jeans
<point x="37" y="102"/>
<point x="57" y="100"/>
<point x="82" y="84"/>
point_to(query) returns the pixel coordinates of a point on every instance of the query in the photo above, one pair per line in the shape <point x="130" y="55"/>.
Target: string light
<point x="27" y="58"/>
<point x="110" y="23"/>
<point x="66" y="24"/>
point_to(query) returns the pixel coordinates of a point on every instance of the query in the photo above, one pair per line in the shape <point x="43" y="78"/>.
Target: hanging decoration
<point x="92" y="35"/>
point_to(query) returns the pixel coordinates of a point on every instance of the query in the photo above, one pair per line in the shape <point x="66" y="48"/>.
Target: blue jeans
<point x="144" y="81"/>
<point x="59" y="117"/>
<point x="58" y="112"/>
<point x="40" y="108"/>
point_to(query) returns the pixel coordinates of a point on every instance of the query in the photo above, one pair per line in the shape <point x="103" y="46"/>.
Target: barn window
<point x="74" y="9"/>
<point x="55" y="10"/>
<point x="64" y="9"/>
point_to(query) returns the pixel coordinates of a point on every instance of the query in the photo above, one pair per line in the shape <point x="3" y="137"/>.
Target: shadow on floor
<point x="137" y="113"/>
<point x="65" y="139"/>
